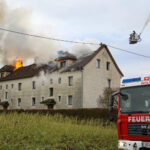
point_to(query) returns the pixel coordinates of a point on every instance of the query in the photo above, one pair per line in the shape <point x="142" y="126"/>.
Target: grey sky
<point x="107" y="21"/>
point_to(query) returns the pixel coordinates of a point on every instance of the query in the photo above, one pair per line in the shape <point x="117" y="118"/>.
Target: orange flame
<point x="18" y="63"/>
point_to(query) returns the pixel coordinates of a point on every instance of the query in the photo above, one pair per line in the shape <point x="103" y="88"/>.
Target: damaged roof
<point x="66" y="56"/>
<point x="28" y="71"/>
<point x="34" y="70"/>
<point x="7" y="68"/>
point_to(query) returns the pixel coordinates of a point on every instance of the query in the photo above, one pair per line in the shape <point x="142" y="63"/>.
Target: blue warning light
<point x="131" y="80"/>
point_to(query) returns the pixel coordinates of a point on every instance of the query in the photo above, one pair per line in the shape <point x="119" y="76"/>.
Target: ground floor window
<point x="70" y="100"/>
<point x="33" y="101"/>
<point x="42" y="98"/>
<point x="19" y="101"/>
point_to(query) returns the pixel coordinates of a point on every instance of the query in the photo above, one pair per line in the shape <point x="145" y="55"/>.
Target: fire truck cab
<point x="133" y="122"/>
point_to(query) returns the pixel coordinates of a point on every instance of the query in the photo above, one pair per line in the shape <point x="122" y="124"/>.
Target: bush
<point x="87" y="113"/>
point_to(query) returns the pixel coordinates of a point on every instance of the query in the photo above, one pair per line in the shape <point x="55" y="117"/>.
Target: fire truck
<point x="133" y="121"/>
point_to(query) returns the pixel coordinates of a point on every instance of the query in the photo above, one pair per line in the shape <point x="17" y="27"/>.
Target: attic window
<point x="62" y="64"/>
<point x="2" y="75"/>
<point x="98" y="63"/>
<point x="12" y="85"/>
<point x="108" y="65"/>
<point x="19" y="86"/>
<point x="59" y="80"/>
<point x="51" y="81"/>
<point x="33" y="85"/>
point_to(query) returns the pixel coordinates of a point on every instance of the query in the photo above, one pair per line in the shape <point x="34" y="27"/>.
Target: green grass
<point x="45" y="132"/>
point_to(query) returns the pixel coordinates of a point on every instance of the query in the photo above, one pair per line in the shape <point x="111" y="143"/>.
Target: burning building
<point x="66" y="83"/>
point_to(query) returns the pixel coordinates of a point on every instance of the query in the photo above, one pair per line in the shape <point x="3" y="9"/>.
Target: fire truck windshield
<point x="135" y="99"/>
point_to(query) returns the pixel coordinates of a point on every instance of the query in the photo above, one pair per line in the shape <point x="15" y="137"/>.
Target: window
<point x="109" y="83"/>
<point x="62" y="64"/>
<point x="59" y="98"/>
<point x="12" y="86"/>
<point x="51" y="81"/>
<point x="51" y="92"/>
<point x="19" y="86"/>
<point x="6" y="86"/>
<point x="70" y="100"/>
<point x="33" y="85"/>
<point x="6" y="95"/>
<point x="42" y="98"/>
<point x="0" y="87"/>
<point x="70" y="80"/>
<point x="108" y="65"/>
<point x="19" y="101"/>
<point x="98" y="63"/>
<point x="2" y="75"/>
<point x="33" y="101"/>
<point x="59" y="80"/>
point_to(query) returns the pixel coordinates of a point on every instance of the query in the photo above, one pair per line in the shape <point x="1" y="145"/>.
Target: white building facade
<point x="71" y="83"/>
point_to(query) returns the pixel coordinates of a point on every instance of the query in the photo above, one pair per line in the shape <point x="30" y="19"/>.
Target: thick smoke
<point x="14" y="45"/>
<point x="29" y="48"/>
<point x="2" y="10"/>
<point x="84" y="49"/>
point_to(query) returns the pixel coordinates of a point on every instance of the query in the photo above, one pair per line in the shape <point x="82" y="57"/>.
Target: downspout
<point x="81" y="88"/>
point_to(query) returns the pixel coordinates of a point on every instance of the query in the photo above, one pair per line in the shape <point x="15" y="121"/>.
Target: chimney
<point x="60" y="53"/>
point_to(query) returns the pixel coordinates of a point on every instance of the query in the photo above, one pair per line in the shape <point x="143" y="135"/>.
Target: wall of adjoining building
<point x="43" y="83"/>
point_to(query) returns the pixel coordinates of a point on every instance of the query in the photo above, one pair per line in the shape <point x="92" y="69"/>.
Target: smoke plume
<point x="15" y="45"/>
<point x="146" y="23"/>
<point x="84" y="49"/>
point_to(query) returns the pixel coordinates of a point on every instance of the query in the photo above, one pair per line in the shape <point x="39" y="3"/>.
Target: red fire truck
<point x="133" y="114"/>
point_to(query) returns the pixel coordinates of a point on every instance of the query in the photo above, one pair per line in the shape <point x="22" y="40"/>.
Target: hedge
<point x="85" y="113"/>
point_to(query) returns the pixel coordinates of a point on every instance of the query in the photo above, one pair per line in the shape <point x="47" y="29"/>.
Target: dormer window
<point x="2" y="74"/>
<point x="62" y="64"/>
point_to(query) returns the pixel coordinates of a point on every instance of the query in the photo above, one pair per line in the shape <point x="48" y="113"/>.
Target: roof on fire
<point x="34" y="70"/>
<point x="7" y="68"/>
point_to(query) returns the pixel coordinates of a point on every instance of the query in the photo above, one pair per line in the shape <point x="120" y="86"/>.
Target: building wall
<point x="88" y="85"/>
<point x="42" y="90"/>
<point x="95" y="80"/>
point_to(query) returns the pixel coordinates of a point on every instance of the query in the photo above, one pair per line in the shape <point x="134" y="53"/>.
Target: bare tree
<point x="104" y="99"/>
